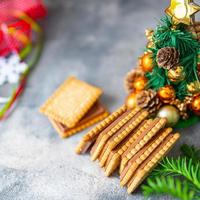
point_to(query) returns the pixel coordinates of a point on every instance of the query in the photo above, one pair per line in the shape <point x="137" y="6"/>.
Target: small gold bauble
<point x="195" y="105"/>
<point x="131" y="101"/>
<point x="140" y="83"/>
<point x="170" y="113"/>
<point x="149" y="33"/>
<point x="193" y="87"/>
<point x="166" y="94"/>
<point x="176" y="74"/>
<point x="146" y="62"/>
<point x="150" y="45"/>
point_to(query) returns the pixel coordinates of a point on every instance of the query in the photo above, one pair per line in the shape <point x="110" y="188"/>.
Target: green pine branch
<point x="177" y="177"/>
<point x="180" y="167"/>
<point x="168" y="186"/>
<point x="179" y="38"/>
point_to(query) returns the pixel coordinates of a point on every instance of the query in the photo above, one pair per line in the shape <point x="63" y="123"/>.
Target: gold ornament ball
<point x="195" y="105"/>
<point x="193" y="87"/>
<point x="146" y="62"/>
<point x="170" y="113"/>
<point x="140" y="83"/>
<point x="131" y="101"/>
<point x="150" y="45"/>
<point x="176" y="74"/>
<point x="166" y="93"/>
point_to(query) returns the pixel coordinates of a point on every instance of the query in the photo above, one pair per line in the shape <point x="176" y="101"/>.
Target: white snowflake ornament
<point x="11" y="69"/>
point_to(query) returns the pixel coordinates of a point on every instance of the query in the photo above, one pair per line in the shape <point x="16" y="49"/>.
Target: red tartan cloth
<point x="12" y="42"/>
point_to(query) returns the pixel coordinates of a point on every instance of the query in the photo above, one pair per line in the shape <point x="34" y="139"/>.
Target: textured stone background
<point x="98" y="41"/>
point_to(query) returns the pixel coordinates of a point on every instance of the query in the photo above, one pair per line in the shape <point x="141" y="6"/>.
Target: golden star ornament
<point x="182" y="11"/>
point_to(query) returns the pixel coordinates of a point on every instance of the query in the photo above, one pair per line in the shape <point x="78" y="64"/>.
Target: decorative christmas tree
<point x="167" y="81"/>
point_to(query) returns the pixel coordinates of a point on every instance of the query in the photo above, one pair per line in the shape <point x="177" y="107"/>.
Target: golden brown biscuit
<point x="146" y="167"/>
<point x="91" y="136"/>
<point x="70" y="102"/>
<point x="114" y="158"/>
<point x="120" y="135"/>
<point x="111" y="130"/>
<point x="156" y="125"/>
<point x="136" y="160"/>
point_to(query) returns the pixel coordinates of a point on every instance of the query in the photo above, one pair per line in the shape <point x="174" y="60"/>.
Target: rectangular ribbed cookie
<point x="71" y="101"/>
<point x="120" y="135"/>
<point x="91" y="136"/>
<point x="146" y="167"/>
<point x="67" y="132"/>
<point x="111" y="130"/>
<point x="156" y="125"/>
<point x="142" y="155"/>
<point x="114" y="158"/>
<point x="94" y="152"/>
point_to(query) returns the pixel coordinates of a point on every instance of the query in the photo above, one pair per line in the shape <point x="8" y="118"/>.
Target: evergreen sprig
<point x="167" y="36"/>
<point x="180" y="167"/>
<point x="168" y="185"/>
<point x="178" y="178"/>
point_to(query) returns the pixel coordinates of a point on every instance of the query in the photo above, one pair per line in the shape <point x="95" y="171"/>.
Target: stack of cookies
<point x="74" y="106"/>
<point x="127" y="140"/>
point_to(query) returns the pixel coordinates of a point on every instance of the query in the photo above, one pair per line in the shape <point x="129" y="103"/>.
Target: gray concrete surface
<point x="98" y="41"/>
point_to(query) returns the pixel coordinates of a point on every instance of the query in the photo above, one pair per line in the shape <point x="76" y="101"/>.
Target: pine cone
<point x="131" y="77"/>
<point x="148" y="99"/>
<point x="167" y="57"/>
